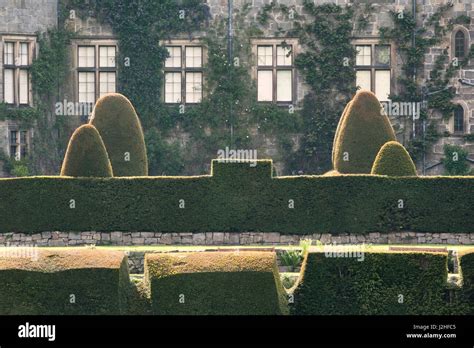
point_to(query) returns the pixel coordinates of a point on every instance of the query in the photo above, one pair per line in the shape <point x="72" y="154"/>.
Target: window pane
<point x="86" y="57"/>
<point x="382" y="55"/>
<point x="265" y="55"/>
<point x="382" y="84"/>
<point x="193" y="57"/>
<point x="284" y="86"/>
<point x="13" y="137"/>
<point x="265" y="85"/>
<point x="8" y="53"/>
<point x="107" y="56"/>
<point x="193" y="87"/>
<point x="174" y="59"/>
<point x="23" y="96"/>
<point x="284" y="55"/>
<point x="9" y="86"/>
<point x="363" y="79"/>
<point x="459" y="44"/>
<point x="106" y="83"/>
<point x="173" y="87"/>
<point x="363" y="56"/>
<point x="23" y="53"/>
<point x="23" y="137"/>
<point x="459" y="119"/>
<point x="86" y="87"/>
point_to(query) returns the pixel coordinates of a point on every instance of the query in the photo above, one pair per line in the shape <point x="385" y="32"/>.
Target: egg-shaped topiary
<point x="120" y="128"/>
<point x="393" y="160"/>
<point x="362" y="131"/>
<point x="86" y="155"/>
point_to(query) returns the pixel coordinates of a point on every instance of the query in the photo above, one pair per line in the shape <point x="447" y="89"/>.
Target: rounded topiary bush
<point x="394" y="160"/>
<point x="363" y="130"/>
<point x="86" y="155"/>
<point x="118" y="124"/>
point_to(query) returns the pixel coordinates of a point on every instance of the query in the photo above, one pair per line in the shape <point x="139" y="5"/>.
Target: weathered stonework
<point x="47" y="239"/>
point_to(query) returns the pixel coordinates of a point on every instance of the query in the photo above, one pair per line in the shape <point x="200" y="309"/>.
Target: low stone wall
<point x="227" y="238"/>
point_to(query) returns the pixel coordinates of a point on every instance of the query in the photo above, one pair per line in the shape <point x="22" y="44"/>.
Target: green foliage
<point x="291" y="258"/>
<point x="393" y="160"/>
<point x="20" y="169"/>
<point x="120" y="129"/>
<point x="239" y="198"/>
<point x="86" y="155"/>
<point x="347" y="286"/>
<point x="215" y="283"/>
<point x="25" y="116"/>
<point x="455" y="160"/>
<point x="467" y="269"/>
<point x="362" y="132"/>
<point x="50" y="68"/>
<point x="97" y="279"/>
<point x="328" y="68"/>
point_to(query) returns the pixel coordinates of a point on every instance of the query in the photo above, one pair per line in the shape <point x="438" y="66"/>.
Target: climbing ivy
<point x="436" y="91"/>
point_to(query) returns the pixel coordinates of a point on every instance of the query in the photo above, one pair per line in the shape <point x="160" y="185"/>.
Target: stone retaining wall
<point x="227" y="238"/>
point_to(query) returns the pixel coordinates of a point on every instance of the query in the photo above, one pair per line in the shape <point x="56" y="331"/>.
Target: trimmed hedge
<point x="98" y="280"/>
<point x="239" y="198"/>
<point x="86" y="155"/>
<point x="346" y="286"/>
<point x="362" y="131"/>
<point x="467" y="291"/>
<point x="120" y="128"/>
<point x="215" y="283"/>
<point x="393" y="160"/>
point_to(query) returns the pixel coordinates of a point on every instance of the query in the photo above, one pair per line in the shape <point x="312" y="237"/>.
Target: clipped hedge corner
<point x="393" y="160"/>
<point x="364" y="128"/>
<point x="215" y="283"/>
<point x="86" y="155"/>
<point x="64" y="282"/>
<point x="120" y="128"/>
<point x="347" y="286"/>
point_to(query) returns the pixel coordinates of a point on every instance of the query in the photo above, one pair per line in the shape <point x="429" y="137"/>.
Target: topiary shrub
<point x="455" y="160"/>
<point x="467" y="291"/>
<point x="215" y="283"/>
<point x="44" y="283"/>
<point x="393" y="160"/>
<point x="338" y="285"/>
<point x="361" y="133"/>
<point x="86" y="155"/>
<point x="120" y="128"/>
<point x="338" y="130"/>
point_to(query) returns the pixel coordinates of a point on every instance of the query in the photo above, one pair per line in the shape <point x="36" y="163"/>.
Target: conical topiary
<point x="338" y="129"/>
<point x="118" y="124"/>
<point x="86" y="155"/>
<point x="363" y="130"/>
<point x="393" y="160"/>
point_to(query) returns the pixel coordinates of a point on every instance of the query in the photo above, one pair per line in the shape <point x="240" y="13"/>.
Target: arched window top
<point x="458" y="124"/>
<point x="460" y="44"/>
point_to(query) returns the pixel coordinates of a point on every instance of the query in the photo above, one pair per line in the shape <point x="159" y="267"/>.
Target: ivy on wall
<point x="437" y="90"/>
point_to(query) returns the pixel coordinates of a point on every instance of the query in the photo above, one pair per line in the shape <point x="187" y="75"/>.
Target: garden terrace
<point x="239" y="197"/>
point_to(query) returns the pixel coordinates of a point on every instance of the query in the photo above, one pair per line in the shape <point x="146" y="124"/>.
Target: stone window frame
<point x="274" y="42"/>
<point x="96" y="43"/>
<point x="465" y="108"/>
<point x="183" y="43"/>
<point x="18" y="156"/>
<point x="31" y="40"/>
<point x="373" y="67"/>
<point x="467" y="40"/>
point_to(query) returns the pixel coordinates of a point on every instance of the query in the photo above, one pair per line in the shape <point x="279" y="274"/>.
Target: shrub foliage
<point x="362" y="131"/>
<point x="393" y="160"/>
<point x="215" y="283"/>
<point x="120" y="128"/>
<point x="347" y="286"/>
<point x="86" y="155"/>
